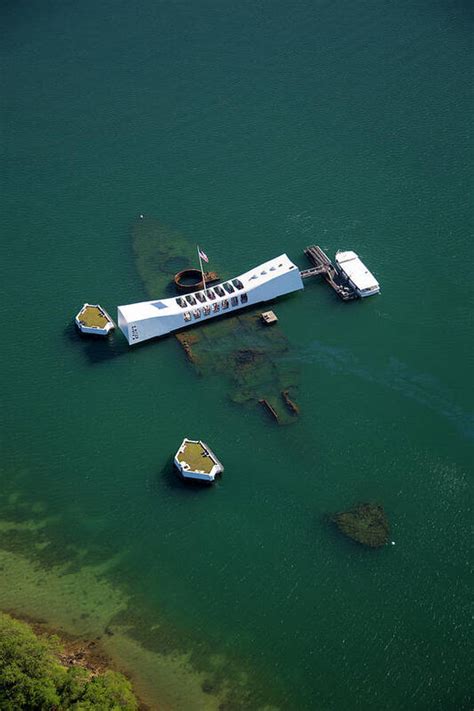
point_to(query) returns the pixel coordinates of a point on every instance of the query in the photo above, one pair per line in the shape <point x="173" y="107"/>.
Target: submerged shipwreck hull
<point x="255" y="360"/>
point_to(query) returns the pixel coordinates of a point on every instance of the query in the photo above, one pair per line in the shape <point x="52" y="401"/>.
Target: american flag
<point x="204" y="256"/>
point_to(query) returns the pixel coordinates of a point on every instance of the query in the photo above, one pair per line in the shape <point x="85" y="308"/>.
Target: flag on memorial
<point x="204" y="256"/>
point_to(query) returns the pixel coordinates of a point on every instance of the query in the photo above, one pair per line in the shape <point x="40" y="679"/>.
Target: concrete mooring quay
<point x="322" y="266"/>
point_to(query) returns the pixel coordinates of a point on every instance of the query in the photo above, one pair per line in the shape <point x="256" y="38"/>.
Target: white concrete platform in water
<point x="149" y="319"/>
<point x="351" y="268"/>
<point x="269" y="318"/>
<point x="94" y="320"/>
<point x="194" y="460"/>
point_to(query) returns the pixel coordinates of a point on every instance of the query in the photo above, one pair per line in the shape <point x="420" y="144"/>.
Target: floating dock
<point x="322" y="266"/>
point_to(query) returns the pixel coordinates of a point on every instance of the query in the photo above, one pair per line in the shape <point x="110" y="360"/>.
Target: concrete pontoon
<point x="94" y="320"/>
<point x="194" y="460"/>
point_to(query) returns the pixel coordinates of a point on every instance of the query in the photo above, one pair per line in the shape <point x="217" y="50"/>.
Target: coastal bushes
<point x="32" y="677"/>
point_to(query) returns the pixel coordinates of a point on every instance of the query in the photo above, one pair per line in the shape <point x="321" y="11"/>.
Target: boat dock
<point x="322" y="266"/>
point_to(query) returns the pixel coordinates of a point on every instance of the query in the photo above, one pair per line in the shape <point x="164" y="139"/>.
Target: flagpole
<point x="202" y="270"/>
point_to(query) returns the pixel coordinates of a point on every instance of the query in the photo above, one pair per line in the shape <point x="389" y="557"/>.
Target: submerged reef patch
<point x="253" y="359"/>
<point x="365" y="523"/>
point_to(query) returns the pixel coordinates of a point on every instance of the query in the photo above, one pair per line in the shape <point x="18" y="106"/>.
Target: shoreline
<point x="65" y="591"/>
<point x="81" y="607"/>
<point x="77" y="651"/>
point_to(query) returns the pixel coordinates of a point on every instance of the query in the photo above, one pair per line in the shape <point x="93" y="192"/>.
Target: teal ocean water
<point x="252" y="129"/>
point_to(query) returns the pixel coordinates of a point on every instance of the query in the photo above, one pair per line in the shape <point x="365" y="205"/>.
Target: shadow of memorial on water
<point x="97" y="349"/>
<point x="174" y="482"/>
<point x="251" y="357"/>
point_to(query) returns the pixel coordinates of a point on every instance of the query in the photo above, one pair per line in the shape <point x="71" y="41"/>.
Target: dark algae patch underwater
<point x="366" y="524"/>
<point x="253" y="359"/>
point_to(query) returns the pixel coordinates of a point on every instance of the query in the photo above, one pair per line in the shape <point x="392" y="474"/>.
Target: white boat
<point x="95" y="320"/>
<point x="194" y="460"/>
<point x="149" y="319"/>
<point x="360" y="279"/>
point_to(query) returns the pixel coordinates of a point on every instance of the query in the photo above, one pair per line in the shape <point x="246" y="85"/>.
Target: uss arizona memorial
<point x="150" y="319"/>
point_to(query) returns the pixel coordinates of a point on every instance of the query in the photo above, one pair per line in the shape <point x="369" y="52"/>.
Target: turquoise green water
<point x="251" y="129"/>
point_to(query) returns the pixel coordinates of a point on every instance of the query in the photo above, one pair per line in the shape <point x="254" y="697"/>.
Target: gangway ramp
<point x="322" y="266"/>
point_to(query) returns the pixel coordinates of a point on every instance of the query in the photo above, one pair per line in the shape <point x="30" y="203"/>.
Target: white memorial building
<point x="149" y="319"/>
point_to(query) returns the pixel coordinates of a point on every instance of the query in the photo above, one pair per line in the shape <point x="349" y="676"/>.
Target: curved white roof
<point x="148" y="319"/>
<point x="356" y="271"/>
<point x="168" y="307"/>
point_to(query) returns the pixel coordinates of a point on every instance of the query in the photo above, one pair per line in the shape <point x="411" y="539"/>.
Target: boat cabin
<point x="356" y="273"/>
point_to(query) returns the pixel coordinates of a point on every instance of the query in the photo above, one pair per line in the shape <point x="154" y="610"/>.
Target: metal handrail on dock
<point x="312" y="271"/>
<point x="322" y="266"/>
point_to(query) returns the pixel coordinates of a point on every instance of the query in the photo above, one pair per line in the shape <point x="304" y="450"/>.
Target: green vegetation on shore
<point x="33" y="677"/>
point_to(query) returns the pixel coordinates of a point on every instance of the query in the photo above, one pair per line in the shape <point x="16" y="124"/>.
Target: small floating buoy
<point x="393" y="543"/>
<point x="141" y="217"/>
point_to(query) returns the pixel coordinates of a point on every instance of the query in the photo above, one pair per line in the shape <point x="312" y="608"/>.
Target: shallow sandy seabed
<point x="46" y="578"/>
<point x="82" y="604"/>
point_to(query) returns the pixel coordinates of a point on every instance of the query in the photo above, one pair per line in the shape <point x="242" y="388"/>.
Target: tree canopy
<point x="31" y="676"/>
